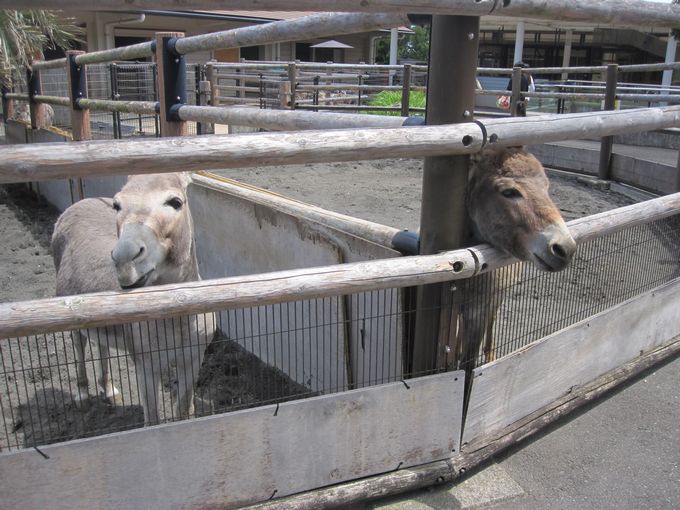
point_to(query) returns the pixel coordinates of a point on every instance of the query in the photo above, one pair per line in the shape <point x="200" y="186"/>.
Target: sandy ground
<point x="36" y="389"/>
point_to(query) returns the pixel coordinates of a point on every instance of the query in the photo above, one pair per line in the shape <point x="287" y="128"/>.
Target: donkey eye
<point x="116" y="206"/>
<point x="174" y="202"/>
<point x="511" y="193"/>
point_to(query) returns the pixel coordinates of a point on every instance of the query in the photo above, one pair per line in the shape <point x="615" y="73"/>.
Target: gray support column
<point x="443" y="220"/>
<point x="604" y="171"/>
<point x="671" y="46"/>
<point x="519" y="42"/>
<point x="394" y="47"/>
<point x="566" y="56"/>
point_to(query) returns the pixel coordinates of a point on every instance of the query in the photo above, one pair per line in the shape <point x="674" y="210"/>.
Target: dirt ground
<point x="36" y="411"/>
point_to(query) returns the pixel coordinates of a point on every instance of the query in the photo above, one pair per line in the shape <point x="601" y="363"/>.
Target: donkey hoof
<point x="81" y="397"/>
<point x="112" y="393"/>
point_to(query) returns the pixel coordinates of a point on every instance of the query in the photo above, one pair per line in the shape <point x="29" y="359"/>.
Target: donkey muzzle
<point x="136" y="255"/>
<point x="553" y="248"/>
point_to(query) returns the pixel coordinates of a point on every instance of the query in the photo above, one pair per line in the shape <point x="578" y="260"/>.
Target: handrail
<point x="164" y="301"/>
<point x="608" y="12"/>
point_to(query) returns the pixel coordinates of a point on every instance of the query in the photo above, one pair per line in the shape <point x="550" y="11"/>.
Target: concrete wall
<point x="322" y="344"/>
<point x="654" y="176"/>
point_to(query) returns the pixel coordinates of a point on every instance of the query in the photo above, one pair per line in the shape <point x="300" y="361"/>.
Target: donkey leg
<point x="149" y="379"/>
<point x="79" y="340"/>
<point x="188" y="364"/>
<point x="105" y="381"/>
<point x="189" y="361"/>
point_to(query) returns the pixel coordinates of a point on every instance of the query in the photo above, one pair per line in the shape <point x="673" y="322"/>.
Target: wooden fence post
<point x="604" y="170"/>
<point x="7" y="105"/>
<point x="406" y="91"/>
<point x="292" y="78"/>
<point x="284" y="95"/>
<point x="515" y="94"/>
<point x="443" y="219"/>
<point x="172" y="86"/>
<point x="80" y="118"/>
<point x="204" y="95"/>
<point x="37" y="110"/>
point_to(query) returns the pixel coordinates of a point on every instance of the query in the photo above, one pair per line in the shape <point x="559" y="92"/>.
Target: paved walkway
<point x="621" y="452"/>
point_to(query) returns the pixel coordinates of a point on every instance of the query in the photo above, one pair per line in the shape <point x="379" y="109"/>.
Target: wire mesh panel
<point x="297" y="349"/>
<point x="606" y="271"/>
<point x="55" y="83"/>
<point x="257" y="355"/>
<point x="135" y="82"/>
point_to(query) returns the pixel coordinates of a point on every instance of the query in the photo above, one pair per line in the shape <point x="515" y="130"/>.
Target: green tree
<point x="415" y="46"/>
<point x="24" y="35"/>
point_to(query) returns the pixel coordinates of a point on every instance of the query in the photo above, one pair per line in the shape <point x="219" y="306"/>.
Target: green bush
<point x="393" y="98"/>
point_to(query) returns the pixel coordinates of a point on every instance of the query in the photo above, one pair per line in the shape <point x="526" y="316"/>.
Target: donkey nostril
<point x="140" y="252"/>
<point x="558" y="251"/>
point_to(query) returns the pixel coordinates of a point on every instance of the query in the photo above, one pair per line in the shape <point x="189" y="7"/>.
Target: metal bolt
<point x="447" y="349"/>
<point x="471" y="36"/>
<point x="466" y="114"/>
<point x="80" y="93"/>
<point x="179" y="98"/>
<point x="176" y="61"/>
<point x="454" y="288"/>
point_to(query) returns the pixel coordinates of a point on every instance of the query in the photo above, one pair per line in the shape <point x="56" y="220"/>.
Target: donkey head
<point x="155" y="232"/>
<point x="511" y="209"/>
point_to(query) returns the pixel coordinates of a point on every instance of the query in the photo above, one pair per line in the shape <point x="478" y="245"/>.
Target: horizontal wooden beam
<point x="65" y="313"/>
<point x="307" y="27"/>
<point x="285" y="120"/>
<point x="149" y="303"/>
<point x="108" y="105"/>
<point x="122" y="157"/>
<point x="608" y="12"/>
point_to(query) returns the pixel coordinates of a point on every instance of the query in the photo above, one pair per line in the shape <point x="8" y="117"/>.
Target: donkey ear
<point x="184" y="178"/>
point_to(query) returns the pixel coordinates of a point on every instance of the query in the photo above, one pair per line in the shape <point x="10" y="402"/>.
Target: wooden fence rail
<point x="149" y="303"/>
<point x="609" y="12"/>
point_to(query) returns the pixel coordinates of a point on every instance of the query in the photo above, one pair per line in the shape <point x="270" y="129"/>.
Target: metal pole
<point x="406" y="91"/>
<point x="519" y="43"/>
<point x="292" y="78"/>
<point x="113" y="73"/>
<point x="394" y="47"/>
<point x="515" y="94"/>
<point x="604" y="171"/>
<point x="443" y="220"/>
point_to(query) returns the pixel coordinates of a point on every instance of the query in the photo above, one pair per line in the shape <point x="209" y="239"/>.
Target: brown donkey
<point x="510" y="208"/>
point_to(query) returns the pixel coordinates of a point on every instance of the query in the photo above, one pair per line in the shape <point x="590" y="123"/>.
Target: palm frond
<point x="24" y="35"/>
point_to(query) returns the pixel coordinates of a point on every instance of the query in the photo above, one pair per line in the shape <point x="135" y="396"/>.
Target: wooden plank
<point x="244" y="457"/>
<point x="609" y="12"/>
<point x="515" y="386"/>
<point x="21" y="164"/>
<point x="55" y="314"/>
<point x="306" y="27"/>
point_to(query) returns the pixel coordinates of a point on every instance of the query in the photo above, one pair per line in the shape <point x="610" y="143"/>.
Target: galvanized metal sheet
<point x="247" y="456"/>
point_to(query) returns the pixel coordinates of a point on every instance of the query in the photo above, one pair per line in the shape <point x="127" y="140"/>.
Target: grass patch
<point x="393" y="98"/>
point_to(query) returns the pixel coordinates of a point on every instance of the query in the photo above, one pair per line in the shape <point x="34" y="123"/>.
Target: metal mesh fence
<point x="55" y="83"/>
<point x="298" y="349"/>
<point x="604" y="272"/>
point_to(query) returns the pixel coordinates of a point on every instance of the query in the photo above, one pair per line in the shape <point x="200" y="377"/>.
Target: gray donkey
<point x="143" y="237"/>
